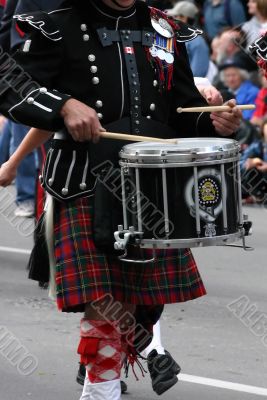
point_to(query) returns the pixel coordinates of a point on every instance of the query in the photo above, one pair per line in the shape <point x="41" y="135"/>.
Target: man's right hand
<point x="81" y="121"/>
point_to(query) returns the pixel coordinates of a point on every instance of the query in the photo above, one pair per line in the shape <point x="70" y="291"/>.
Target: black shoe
<point x="81" y="375"/>
<point x="163" y="371"/>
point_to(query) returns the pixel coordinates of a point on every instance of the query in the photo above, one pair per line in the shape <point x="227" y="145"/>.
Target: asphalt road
<point x="222" y="336"/>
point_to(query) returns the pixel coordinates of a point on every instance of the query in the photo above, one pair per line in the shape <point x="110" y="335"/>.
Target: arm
<point x="187" y="95"/>
<point x="33" y="139"/>
<point x="28" y="92"/>
<point x="198" y="53"/>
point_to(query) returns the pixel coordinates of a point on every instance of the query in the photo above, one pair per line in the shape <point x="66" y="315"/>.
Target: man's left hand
<point x="227" y="122"/>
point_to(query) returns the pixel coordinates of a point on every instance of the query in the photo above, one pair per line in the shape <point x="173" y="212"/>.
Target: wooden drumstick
<point x="135" y="138"/>
<point x="216" y="108"/>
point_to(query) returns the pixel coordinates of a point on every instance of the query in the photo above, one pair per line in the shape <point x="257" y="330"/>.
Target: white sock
<point x="156" y="341"/>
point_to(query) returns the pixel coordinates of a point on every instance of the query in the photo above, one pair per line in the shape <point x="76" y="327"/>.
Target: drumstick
<point x="216" y="108"/>
<point x="135" y="138"/>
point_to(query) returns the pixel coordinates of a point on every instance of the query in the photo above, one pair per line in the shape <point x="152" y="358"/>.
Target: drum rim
<point x="223" y="147"/>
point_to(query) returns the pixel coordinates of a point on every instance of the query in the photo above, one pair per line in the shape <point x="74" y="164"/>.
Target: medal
<point x="161" y="54"/>
<point x="162" y="27"/>
<point x="169" y="58"/>
<point x="153" y="51"/>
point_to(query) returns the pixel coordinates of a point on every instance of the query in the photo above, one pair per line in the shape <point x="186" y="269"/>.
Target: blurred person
<point x="254" y="168"/>
<point x="236" y="79"/>
<point x="215" y="48"/>
<point x="219" y="14"/>
<point x="197" y="49"/>
<point x="2" y="5"/>
<point x="260" y="102"/>
<point x="232" y="45"/>
<point x="257" y="25"/>
<point x="14" y="133"/>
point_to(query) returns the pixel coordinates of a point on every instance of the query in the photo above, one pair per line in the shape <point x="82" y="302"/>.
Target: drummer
<point x="69" y="56"/>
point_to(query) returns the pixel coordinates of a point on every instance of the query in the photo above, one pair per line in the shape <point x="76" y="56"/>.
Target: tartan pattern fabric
<point x="84" y="274"/>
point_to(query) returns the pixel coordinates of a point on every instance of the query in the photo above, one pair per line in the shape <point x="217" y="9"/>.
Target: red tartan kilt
<point x="84" y="274"/>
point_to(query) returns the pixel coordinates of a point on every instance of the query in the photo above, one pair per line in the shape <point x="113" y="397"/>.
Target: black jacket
<point x="67" y="59"/>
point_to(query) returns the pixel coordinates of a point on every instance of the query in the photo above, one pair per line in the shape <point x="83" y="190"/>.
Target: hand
<point x="7" y="174"/>
<point x="227" y="122"/>
<point x="253" y="163"/>
<point x="81" y="121"/>
<point x="262" y="167"/>
<point x="211" y="95"/>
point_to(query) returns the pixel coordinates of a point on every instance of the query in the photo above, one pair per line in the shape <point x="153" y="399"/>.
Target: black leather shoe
<point x="81" y="375"/>
<point x="163" y="371"/>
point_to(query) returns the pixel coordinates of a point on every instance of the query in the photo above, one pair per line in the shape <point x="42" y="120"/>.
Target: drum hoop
<point x="192" y="242"/>
<point x="130" y="164"/>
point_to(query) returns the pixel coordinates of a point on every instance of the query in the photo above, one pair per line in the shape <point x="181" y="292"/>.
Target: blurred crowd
<point x="221" y="54"/>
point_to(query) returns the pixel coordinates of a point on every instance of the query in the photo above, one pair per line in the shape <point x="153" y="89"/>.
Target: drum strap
<point x="127" y="38"/>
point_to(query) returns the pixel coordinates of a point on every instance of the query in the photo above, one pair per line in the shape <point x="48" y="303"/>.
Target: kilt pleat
<point x="84" y="274"/>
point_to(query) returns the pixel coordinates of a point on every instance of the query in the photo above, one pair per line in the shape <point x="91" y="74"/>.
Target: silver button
<point x="148" y="116"/>
<point x="152" y="107"/>
<point x="155" y="83"/>
<point x="137" y="122"/>
<point x="86" y="37"/>
<point x="136" y="107"/>
<point x="93" y="69"/>
<point x="64" y="191"/>
<point x="100" y="116"/>
<point x="99" y="103"/>
<point x="95" y="80"/>
<point x="50" y="181"/>
<point x="84" y="27"/>
<point x="43" y="90"/>
<point x="83" y="186"/>
<point x="30" y="100"/>
<point x="91" y="57"/>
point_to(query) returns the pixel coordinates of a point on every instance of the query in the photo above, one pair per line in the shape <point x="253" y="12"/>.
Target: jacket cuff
<point x="41" y="109"/>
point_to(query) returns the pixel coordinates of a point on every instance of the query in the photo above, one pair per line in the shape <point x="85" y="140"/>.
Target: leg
<point x="101" y="349"/>
<point x="26" y="174"/>
<point x="162" y="367"/>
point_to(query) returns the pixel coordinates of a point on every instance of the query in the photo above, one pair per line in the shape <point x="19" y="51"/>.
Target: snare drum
<point x="182" y="195"/>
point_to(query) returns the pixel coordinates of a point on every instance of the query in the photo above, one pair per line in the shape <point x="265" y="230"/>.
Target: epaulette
<point x="41" y="21"/>
<point x="168" y="27"/>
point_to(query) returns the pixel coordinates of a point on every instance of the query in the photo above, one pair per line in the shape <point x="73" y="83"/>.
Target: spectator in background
<point x="236" y="78"/>
<point x="197" y="49"/>
<point x="232" y="45"/>
<point x="261" y="102"/>
<point x="257" y="25"/>
<point x="254" y="168"/>
<point x="219" y="14"/>
<point x="2" y="5"/>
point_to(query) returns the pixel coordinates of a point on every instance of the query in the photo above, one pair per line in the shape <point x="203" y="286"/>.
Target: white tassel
<point x="49" y="235"/>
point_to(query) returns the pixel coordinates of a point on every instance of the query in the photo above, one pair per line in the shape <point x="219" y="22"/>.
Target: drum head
<point x="185" y="149"/>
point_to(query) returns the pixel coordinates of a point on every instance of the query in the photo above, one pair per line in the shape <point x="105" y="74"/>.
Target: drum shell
<point x="181" y="215"/>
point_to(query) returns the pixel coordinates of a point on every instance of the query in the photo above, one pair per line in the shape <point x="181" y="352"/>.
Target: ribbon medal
<point x="163" y="48"/>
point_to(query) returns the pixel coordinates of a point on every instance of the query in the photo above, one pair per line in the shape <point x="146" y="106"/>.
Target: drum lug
<point x="122" y="237"/>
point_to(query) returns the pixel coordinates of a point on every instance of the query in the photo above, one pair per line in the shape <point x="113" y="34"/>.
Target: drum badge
<point x="209" y="198"/>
